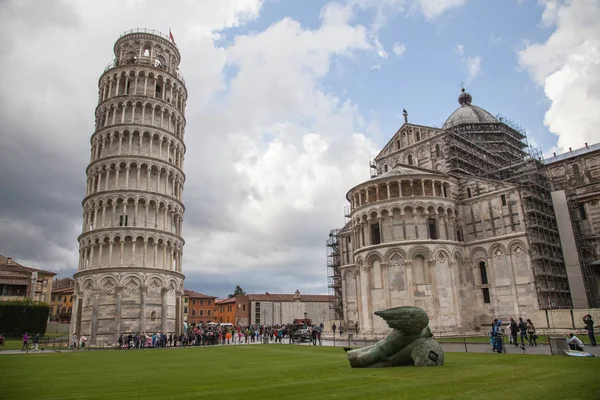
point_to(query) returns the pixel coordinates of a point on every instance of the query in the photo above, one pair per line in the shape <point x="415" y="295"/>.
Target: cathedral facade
<point x="458" y="221"/>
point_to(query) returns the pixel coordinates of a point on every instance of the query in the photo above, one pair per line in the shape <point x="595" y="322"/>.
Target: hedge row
<point x="23" y="316"/>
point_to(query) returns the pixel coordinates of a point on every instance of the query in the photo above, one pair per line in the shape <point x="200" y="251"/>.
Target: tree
<point x="237" y="292"/>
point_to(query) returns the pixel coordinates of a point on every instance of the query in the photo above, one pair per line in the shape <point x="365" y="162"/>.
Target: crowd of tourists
<point x="210" y="334"/>
<point x="525" y="331"/>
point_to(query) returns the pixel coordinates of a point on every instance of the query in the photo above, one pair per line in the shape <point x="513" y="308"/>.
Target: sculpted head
<point x="407" y="319"/>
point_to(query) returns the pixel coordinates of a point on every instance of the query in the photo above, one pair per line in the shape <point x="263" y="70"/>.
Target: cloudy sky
<point x="287" y="101"/>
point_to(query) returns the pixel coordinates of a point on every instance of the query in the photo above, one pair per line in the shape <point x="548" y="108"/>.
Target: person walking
<point x="491" y="335"/>
<point x="36" y="341"/>
<point x="497" y="334"/>
<point x="25" y="341"/>
<point x="514" y="330"/>
<point x="333" y="328"/>
<point x="523" y="332"/>
<point x="531" y="333"/>
<point x="589" y="325"/>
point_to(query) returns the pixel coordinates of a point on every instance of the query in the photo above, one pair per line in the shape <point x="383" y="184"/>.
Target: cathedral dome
<point x="468" y="113"/>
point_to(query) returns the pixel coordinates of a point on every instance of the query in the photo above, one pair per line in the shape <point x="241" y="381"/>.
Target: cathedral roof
<point x="399" y="170"/>
<point x="573" y="153"/>
<point x="468" y="113"/>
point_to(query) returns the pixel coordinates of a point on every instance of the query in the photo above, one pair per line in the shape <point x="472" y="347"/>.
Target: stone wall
<point x="551" y="320"/>
<point x="57" y="327"/>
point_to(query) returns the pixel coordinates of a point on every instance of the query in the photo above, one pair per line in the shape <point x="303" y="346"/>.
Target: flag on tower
<point x="171" y="36"/>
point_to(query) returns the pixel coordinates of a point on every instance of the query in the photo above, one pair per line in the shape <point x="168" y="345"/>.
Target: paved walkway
<point x="449" y="347"/>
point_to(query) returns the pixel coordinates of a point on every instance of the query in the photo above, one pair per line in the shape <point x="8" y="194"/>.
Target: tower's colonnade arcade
<point x="129" y="275"/>
<point x="454" y="247"/>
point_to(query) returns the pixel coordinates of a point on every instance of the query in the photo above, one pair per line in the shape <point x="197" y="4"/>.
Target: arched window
<point x="417" y="136"/>
<point x="469" y="192"/>
<point x="193" y="312"/>
<point x="438" y="151"/>
<point x="576" y="170"/>
<point x="208" y="312"/>
<point x="385" y="168"/>
<point x="483" y="272"/>
<point x="410" y="161"/>
<point x="432" y="228"/>
<point x="398" y="144"/>
<point x="153" y="316"/>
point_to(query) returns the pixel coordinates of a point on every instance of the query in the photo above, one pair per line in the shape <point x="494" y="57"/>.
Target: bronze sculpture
<point x="409" y="343"/>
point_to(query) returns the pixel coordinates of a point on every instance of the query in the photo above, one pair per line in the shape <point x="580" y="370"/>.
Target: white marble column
<point x="119" y="295"/>
<point x="164" y="310"/>
<point x="143" y="295"/>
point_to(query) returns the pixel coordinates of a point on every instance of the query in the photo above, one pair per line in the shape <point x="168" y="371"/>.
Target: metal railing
<point x="149" y="31"/>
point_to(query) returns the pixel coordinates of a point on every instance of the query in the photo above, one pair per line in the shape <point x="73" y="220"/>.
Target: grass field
<point x="288" y="372"/>
<point x="16" y="344"/>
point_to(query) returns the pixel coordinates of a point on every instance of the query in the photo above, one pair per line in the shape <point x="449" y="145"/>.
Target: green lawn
<point x="16" y="344"/>
<point x="288" y="372"/>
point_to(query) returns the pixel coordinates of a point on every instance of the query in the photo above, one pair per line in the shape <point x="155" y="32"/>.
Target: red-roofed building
<point x="198" y="307"/>
<point x="226" y="310"/>
<point x="61" y="304"/>
<point x="20" y="282"/>
<point x="269" y="309"/>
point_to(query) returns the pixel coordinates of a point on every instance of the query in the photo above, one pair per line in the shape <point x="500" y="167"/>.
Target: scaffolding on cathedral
<point x="500" y="151"/>
<point x="334" y="278"/>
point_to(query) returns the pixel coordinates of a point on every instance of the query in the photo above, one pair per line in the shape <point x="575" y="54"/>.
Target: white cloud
<point x="473" y="63"/>
<point x="399" y="49"/>
<point x="567" y="66"/>
<point x="385" y="10"/>
<point x="474" y="67"/>
<point x="494" y="39"/>
<point x="432" y="9"/>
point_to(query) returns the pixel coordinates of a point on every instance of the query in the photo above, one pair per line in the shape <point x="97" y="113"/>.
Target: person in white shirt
<point x="574" y="343"/>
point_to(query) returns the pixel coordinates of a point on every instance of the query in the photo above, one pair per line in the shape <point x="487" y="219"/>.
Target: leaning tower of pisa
<point x="129" y="277"/>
